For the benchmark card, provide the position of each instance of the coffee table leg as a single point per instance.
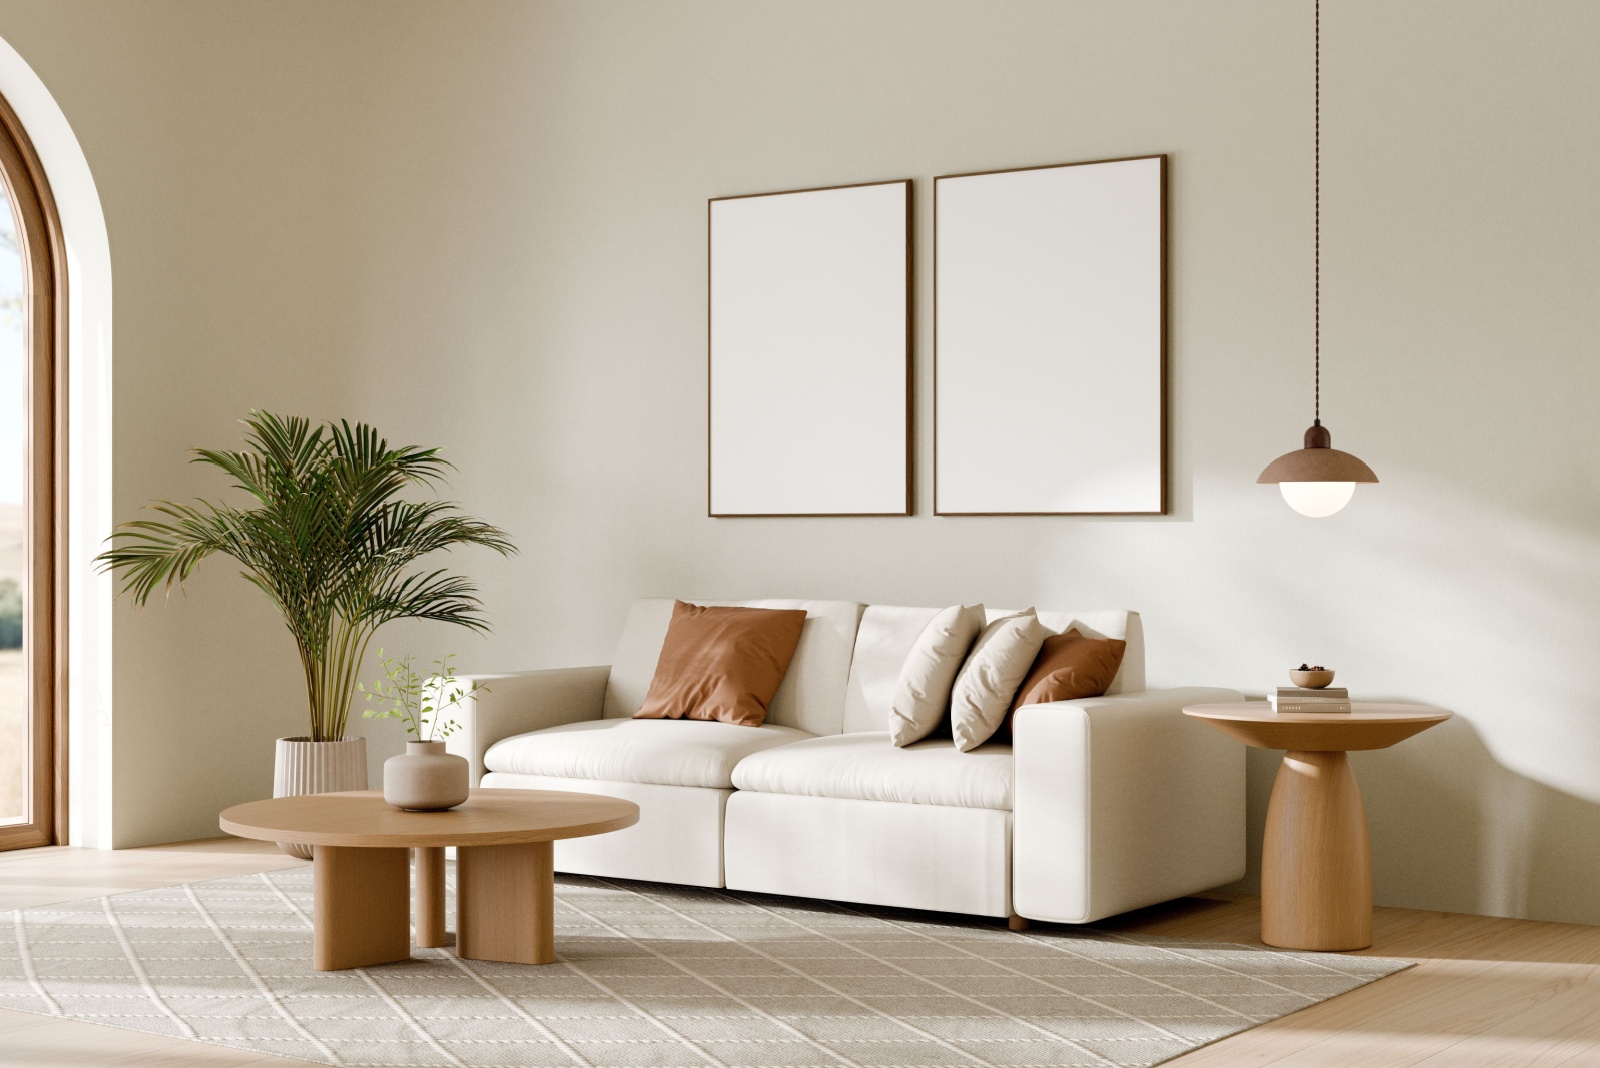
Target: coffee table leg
(1316, 862)
(361, 911)
(505, 903)
(427, 909)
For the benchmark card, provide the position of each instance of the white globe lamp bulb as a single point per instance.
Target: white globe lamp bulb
(1317, 499)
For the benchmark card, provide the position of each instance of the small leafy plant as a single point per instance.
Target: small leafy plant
(418, 701)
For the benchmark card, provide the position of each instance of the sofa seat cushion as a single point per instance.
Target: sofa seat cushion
(666, 752)
(866, 766)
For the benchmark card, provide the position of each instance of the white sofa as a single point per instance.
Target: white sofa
(1098, 806)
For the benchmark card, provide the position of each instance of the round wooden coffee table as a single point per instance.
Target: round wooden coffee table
(505, 889)
(1316, 860)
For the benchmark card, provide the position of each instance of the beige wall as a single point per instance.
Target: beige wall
(483, 226)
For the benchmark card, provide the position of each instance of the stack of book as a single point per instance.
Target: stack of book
(1296, 699)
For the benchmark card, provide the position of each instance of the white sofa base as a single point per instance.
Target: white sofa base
(1116, 802)
(934, 857)
(678, 838)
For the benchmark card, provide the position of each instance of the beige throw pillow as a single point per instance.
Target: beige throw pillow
(988, 681)
(923, 692)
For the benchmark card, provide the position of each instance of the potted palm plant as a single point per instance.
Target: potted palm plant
(330, 540)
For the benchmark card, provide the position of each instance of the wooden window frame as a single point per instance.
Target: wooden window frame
(43, 249)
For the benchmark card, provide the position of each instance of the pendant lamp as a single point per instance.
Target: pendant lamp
(1317, 480)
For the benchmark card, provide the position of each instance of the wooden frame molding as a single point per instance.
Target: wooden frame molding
(43, 249)
(910, 327)
(1163, 414)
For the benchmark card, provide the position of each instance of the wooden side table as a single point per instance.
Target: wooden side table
(1316, 860)
(505, 893)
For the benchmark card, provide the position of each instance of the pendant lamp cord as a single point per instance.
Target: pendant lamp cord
(1317, 216)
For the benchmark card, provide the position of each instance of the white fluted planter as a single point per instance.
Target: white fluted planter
(306, 767)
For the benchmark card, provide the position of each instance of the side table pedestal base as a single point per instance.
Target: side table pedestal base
(1316, 861)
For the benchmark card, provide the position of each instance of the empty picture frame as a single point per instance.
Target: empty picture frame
(1049, 340)
(809, 352)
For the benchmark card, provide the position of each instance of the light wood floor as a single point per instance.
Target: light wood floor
(1485, 992)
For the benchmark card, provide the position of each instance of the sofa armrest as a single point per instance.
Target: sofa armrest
(1122, 802)
(521, 702)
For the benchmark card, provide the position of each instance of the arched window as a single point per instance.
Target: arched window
(32, 520)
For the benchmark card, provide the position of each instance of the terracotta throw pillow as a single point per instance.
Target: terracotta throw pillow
(999, 661)
(1069, 666)
(722, 663)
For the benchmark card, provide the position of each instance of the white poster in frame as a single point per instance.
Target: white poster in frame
(809, 352)
(1050, 339)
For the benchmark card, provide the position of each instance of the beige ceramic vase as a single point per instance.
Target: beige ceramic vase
(425, 779)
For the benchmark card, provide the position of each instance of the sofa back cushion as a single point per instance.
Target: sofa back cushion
(811, 697)
(887, 633)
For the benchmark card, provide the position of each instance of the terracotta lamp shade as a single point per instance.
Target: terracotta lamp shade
(1317, 480)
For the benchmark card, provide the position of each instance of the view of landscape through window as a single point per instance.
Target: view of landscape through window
(14, 726)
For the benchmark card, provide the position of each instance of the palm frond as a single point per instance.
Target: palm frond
(327, 537)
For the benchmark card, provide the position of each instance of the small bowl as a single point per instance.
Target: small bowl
(1311, 680)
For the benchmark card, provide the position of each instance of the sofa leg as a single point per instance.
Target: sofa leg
(1017, 923)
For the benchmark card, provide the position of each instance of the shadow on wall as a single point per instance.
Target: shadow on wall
(1454, 830)
(1435, 593)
